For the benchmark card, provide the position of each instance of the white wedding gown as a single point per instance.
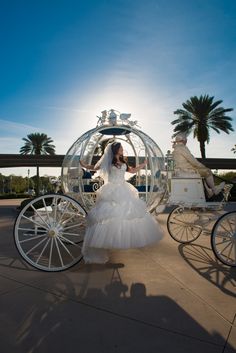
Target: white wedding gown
(119, 220)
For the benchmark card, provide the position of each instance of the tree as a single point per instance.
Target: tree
(2, 183)
(234, 149)
(18, 184)
(199, 116)
(99, 150)
(37, 144)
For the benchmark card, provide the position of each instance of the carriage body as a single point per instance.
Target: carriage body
(150, 182)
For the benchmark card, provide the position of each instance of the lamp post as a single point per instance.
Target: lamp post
(10, 184)
(169, 163)
(28, 179)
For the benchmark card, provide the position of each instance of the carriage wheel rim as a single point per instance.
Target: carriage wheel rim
(223, 239)
(180, 228)
(52, 242)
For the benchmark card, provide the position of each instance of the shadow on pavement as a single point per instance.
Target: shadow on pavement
(203, 261)
(114, 319)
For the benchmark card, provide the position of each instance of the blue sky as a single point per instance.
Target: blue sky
(64, 61)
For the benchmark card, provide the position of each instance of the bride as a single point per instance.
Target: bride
(119, 219)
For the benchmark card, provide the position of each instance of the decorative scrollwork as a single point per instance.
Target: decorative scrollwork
(95, 186)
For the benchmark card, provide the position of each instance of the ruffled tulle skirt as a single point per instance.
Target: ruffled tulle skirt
(119, 220)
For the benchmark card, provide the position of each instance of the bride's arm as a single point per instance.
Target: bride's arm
(136, 169)
(88, 166)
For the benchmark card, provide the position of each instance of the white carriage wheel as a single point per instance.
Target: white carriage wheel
(49, 232)
(181, 224)
(223, 239)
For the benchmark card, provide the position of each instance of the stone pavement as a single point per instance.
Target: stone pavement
(161, 299)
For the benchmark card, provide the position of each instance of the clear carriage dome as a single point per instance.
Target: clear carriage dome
(81, 184)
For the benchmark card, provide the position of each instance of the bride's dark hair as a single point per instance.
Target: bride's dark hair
(115, 148)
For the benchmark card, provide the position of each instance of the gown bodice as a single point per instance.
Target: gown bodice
(117, 175)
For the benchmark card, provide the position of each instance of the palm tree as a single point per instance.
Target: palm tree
(37, 144)
(99, 150)
(199, 116)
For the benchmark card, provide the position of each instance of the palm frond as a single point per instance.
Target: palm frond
(215, 129)
(200, 114)
(37, 143)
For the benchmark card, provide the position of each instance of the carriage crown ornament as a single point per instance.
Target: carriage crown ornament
(113, 117)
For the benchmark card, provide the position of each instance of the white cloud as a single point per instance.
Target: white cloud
(10, 145)
(13, 127)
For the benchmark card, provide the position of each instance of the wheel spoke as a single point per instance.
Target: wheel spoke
(186, 232)
(44, 248)
(66, 248)
(39, 215)
(184, 222)
(230, 226)
(63, 212)
(33, 221)
(46, 209)
(69, 241)
(68, 219)
(230, 250)
(226, 229)
(223, 241)
(32, 238)
(226, 247)
(72, 234)
(74, 225)
(179, 230)
(34, 247)
(32, 231)
(54, 206)
(50, 254)
(221, 235)
(59, 253)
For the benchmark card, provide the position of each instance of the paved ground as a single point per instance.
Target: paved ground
(170, 298)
